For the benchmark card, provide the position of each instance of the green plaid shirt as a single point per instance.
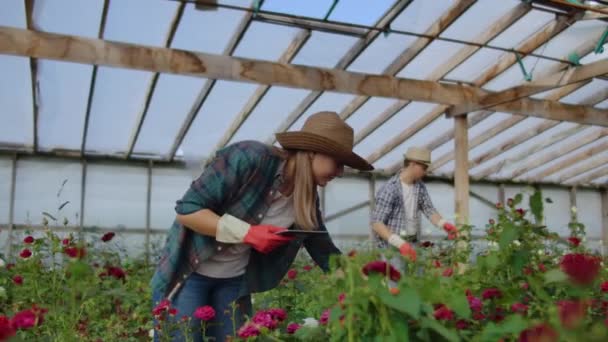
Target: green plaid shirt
(240, 180)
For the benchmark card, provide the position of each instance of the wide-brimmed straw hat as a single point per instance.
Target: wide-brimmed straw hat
(327, 133)
(418, 154)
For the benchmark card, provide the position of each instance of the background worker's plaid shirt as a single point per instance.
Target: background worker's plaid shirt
(241, 180)
(390, 209)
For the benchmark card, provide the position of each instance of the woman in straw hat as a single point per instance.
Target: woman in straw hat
(400, 202)
(228, 237)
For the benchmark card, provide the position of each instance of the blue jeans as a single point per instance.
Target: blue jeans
(200, 290)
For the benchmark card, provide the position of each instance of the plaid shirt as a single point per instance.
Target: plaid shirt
(241, 181)
(390, 209)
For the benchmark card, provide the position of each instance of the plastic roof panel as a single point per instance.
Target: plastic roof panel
(371, 109)
(362, 12)
(478, 18)
(310, 8)
(573, 36)
(117, 102)
(12, 13)
(380, 53)
(64, 90)
(585, 92)
(392, 127)
(514, 75)
(199, 30)
(328, 101)
(420, 15)
(16, 99)
(269, 113)
(214, 118)
(276, 39)
(433, 56)
(126, 21)
(315, 51)
(171, 102)
(84, 17)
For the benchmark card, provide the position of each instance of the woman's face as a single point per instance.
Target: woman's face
(325, 168)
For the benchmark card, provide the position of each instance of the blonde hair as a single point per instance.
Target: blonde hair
(304, 190)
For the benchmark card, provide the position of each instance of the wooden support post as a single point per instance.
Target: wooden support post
(461, 175)
(501, 193)
(573, 215)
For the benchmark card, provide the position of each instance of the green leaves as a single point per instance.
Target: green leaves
(407, 301)
(513, 324)
(555, 276)
(509, 234)
(536, 206)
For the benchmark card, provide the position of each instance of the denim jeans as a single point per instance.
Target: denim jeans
(199, 290)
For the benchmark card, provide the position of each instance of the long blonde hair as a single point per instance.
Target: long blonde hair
(304, 189)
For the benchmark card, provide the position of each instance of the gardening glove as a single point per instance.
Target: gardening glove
(449, 228)
(262, 238)
(404, 248)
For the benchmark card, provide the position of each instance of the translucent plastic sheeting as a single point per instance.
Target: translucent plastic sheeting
(168, 186)
(419, 15)
(392, 127)
(115, 196)
(362, 12)
(594, 57)
(366, 113)
(421, 138)
(557, 214)
(588, 173)
(276, 40)
(6, 166)
(199, 30)
(380, 53)
(117, 102)
(563, 157)
(84, 17)
(602, 105)
(171, 103)
(64, 90)
(601, 181)
(40, 188)
(327, 101)
(521, 148)
(510, 38)
(536, 67)
(572, 37)
(312, 8)
(214, 118)
(565, 171)
(316, 53)
(269, 113)
(432, 57)
(478, 18)
(354, 223)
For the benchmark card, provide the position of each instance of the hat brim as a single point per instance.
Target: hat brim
(316, 143)
(427, 163)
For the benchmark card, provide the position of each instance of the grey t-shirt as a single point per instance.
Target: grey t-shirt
(230, 260)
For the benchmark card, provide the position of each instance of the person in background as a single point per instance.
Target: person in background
(225, 242)
(400, 203)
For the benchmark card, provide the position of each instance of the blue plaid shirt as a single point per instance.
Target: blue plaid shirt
(390, 209)
(240, 180)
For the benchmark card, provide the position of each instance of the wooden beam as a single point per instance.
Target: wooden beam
(287, 56)
(505, 61)
(209, 85)
(543, 159)
(442, 23)
(559, 79)
(29, 23)
(461, 175)
(583, 7)
(584, 168)
(85, 50)
(100, 33)
(177, 17)
(599, 173)
(444, 69)
(604, 220)
(343, 63)
(522, 137)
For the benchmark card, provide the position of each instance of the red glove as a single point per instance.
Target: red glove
(451, 230)
(408, 251)
(263, 238)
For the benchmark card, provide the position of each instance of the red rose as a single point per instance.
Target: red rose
(574, 241)
(6, 329)
(519, 308)
(571, 312)
(75, 252)
(604, 286)
(448, 272)
(581, 268)
(26, 253)
(491, 293)
(540, 333)
(510, 202)
(28, 239)
(65, 242)
(248, 330)
(292, 274)
(324, 319)
(461, 324)
(292, 328)
(383, 268)
(107, 236)
(443, 313)
(204, 313)
(307, 268)
(18, 280)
